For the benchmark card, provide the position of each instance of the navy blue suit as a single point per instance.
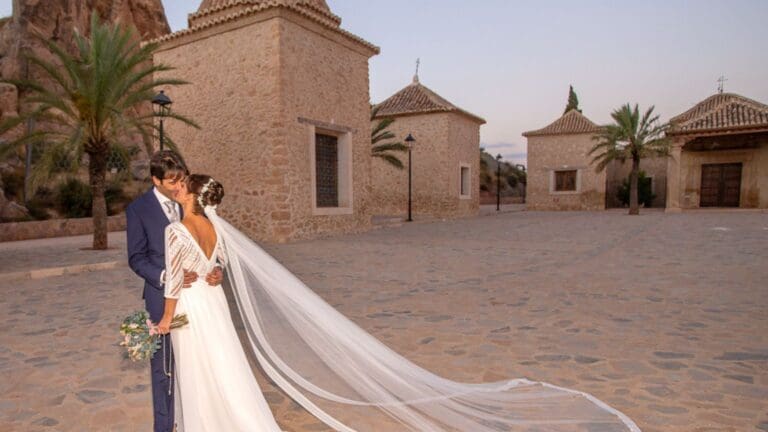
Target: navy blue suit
(146, 224)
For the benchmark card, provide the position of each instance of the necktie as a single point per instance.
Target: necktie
(173, 215)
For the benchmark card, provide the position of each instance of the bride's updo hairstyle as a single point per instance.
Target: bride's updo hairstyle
(207, 191)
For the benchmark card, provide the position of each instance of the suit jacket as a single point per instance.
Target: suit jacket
(145, 225)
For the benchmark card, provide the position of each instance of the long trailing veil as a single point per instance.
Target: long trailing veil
(352, 382)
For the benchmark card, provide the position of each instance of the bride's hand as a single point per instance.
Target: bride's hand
(164, 326)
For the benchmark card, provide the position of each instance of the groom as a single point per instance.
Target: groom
(147, 217)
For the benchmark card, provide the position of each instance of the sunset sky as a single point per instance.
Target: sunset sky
(511, 61)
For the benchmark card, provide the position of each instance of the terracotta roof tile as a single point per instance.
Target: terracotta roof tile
(722, 111)
(241, 8)
(209, 7)
(572, 122)
(418, 99)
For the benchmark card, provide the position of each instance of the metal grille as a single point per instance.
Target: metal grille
(327, 170)
(118, 160)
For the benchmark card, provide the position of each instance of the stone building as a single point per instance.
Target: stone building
(280, 91)
(446, 157)
(560, 176)
(719, 155)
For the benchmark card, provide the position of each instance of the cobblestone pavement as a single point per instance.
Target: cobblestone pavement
(664, 316)
(24, 256)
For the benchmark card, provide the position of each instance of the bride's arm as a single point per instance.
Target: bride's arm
(175, 250)
(164, 326)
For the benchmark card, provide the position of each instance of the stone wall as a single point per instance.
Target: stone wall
(252, 79)
(15, 231)
(444, 141)
(563, 152)
(325, 89)
(654, 167)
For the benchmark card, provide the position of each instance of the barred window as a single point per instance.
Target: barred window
(327, 170)
(565, 181)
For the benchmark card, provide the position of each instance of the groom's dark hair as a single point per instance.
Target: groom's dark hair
(166, 163)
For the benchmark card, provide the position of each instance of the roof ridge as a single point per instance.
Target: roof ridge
(727, 97)
(417, 98)
(258, 8)
(221, 6)
(721, 111)
(571, 122)
(436, 98)
(717, 107)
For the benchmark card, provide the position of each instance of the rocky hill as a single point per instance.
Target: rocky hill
(57, 20)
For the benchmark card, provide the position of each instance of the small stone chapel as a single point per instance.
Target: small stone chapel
(280, 92)
(445, 156)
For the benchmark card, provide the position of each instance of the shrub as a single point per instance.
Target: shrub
(74, 199)
(13, 184)
(645, 194)
(116, 198)
(38, 209)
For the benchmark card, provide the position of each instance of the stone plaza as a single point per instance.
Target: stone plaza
(663, 316)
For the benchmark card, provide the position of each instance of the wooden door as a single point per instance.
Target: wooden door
(720, 185)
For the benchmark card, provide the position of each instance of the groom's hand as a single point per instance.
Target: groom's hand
(215, 276)
(189, 277)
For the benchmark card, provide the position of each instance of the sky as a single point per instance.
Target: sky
(511, 61)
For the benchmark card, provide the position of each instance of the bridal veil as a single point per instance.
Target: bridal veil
(352, 382)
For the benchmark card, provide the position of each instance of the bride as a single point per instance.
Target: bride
(322, 360)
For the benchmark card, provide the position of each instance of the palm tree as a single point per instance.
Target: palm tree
(630, 137)
(384, 150)
(92, 105)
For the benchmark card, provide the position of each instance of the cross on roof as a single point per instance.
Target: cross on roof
(720, 82)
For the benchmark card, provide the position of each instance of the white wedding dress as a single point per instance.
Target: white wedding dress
(327, 364)
(215, 388)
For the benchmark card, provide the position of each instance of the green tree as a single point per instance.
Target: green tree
(630, 137)
(384, 150)
(485, 176)
(91, 106)
(573, 101)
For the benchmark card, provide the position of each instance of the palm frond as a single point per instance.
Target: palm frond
(382, 136)
(395, 146)
(390, 159)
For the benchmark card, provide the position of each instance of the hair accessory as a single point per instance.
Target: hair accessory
(203, 190)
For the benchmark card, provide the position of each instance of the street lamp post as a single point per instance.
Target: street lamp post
(162, 107)
(409, 140)
(498, 182)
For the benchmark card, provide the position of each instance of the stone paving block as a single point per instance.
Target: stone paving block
(672, 323)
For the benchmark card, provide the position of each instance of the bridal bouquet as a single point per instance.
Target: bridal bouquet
(140, 336)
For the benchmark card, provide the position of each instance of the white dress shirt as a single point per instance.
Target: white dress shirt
(164, 199)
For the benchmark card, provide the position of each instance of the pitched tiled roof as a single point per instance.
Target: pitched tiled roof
(208, 4)
(572, 122)
(721, 112)
(224, 11)
(418, 99)
(213, 7)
